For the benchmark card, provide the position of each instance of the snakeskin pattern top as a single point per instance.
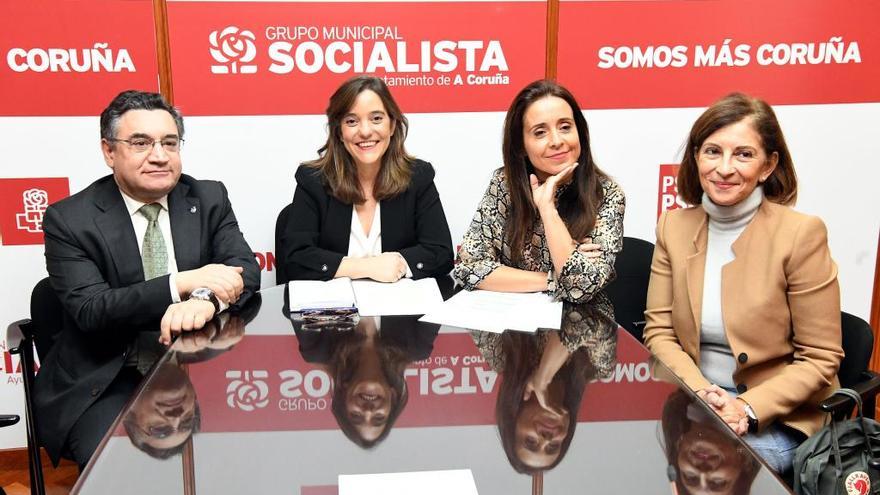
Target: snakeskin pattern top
(484, 247)
(590, 326)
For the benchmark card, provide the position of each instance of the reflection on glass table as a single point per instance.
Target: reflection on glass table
(287, 409)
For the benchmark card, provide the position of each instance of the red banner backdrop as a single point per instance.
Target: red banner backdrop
(688, 54)
(70, 58)
(275, 58)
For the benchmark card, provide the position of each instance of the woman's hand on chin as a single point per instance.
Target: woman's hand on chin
(544, 194)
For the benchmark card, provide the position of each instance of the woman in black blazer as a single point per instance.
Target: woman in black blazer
(364, 208)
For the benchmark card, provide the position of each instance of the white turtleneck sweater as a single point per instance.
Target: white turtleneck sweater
(726, 223)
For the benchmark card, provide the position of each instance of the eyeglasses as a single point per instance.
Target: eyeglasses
(166, 430)
(144, 144)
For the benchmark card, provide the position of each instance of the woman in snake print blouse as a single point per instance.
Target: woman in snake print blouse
(550, 219)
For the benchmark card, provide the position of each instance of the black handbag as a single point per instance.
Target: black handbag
(841, 458)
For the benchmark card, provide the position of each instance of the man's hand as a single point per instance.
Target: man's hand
(225, 281)
(184, 316)
(387, 267)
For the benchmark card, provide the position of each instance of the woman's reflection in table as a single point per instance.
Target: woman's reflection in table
(543, 377)
(367, 361)
(704, 455)
(166, 413)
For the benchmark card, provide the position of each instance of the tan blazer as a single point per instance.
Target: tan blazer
(780, 303)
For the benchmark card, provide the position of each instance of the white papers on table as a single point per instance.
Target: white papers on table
(498, 311)
(404, 297)
(317, 294)
(458, 481)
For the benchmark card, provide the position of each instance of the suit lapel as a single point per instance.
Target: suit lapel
(696, 268)
(186, 226)
(114, 223)
(338, 225)
(733, 274)
(392, 223)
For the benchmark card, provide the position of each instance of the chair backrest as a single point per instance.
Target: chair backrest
(629, 291)
(47, 317)
(280, 273)
(858, 342)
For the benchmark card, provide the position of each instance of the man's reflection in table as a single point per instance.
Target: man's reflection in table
(367, 361)
(166, 413)
(543, 378)
(704, 455)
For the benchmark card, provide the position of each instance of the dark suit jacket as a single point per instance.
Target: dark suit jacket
(95, 268)
(318, 227)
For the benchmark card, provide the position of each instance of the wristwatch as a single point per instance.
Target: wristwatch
(206, 294)
(751, 418)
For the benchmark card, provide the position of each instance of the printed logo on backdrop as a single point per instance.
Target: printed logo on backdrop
(23, 203)
(100, 57)
(266, 260)
(233, 48)
(60, 59)
(10, 368)
(261, 60)
(667, 196)
(361, 50)
(688, 63)
(247, 390)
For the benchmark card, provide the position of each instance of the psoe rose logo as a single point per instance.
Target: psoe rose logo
(247, 390)
(233, 49)
(34, 202)
(23, 204)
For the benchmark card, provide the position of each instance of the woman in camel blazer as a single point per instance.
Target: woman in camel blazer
(743, 302)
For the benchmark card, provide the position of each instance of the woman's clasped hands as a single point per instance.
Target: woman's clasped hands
(731, 410)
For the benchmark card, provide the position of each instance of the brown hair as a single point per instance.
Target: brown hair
(344, 364)
(675, 423)
(520, 353)
(579, 203)
(336, 164)
(780, 187)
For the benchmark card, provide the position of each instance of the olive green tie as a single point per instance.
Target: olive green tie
(154, 255)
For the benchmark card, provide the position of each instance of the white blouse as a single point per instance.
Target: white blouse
(361, 245)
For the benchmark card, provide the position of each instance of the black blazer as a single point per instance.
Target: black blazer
(318, 227)
(95, 268)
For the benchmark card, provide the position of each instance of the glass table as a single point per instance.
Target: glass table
(262, 402)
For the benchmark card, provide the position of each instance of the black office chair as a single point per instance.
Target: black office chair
(41, 330)
(629, 291)
(8, 420)
(281, 276)
(857, 342)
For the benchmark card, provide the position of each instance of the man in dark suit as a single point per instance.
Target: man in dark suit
(143, 245)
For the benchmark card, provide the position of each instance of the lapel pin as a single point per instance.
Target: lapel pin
(193, 209)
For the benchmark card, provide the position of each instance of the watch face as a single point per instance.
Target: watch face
(201, 293)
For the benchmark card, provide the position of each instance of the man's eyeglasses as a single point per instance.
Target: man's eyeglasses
(166, 430)
(144, 144)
